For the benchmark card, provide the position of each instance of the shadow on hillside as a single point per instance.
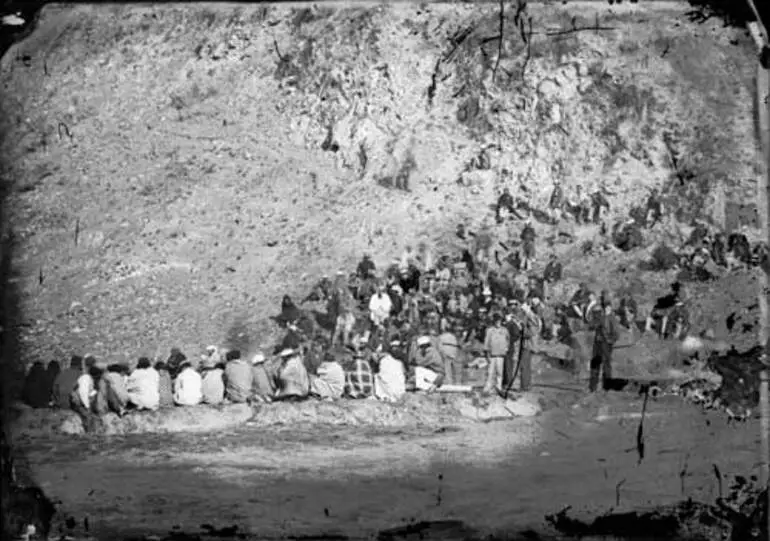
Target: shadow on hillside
(11, 369)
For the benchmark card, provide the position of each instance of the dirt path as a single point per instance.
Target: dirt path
(311, 480)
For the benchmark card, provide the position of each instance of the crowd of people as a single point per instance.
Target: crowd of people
(420, 324)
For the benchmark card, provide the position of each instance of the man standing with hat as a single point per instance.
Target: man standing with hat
(606, 328)
(496, 345)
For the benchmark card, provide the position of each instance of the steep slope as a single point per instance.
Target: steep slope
(178, 169)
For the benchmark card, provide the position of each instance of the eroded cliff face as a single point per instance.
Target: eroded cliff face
(209, 159)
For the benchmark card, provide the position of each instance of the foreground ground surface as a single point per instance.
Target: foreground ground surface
(501, 476)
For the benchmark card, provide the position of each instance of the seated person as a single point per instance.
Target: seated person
(390, 379)
(329, 380)
(662, 309)
(188, 386)
(264, 386)
(428, 367)
(628, 310)
(293, 379)
(143, 386)
(359, 377)
(579, 300)
(553, 270)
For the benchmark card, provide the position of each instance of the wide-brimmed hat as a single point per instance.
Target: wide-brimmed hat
(287, 352)
(423, 341)
(259, 358)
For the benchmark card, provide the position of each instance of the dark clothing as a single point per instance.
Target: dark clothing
(557, 198)
(528, 234)
(553, 271)
(601, 360)
(36, 392)
(165, 389)
(64, 385)
(598, 202)
(654, 208)
(365, 267)
(739, 245)
(504, 202)
(698, 234)
(525, 358)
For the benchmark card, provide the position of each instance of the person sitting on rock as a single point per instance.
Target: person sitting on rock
(359, 377)
(188, 386)
(428, 366)
(328, 383)
(663, 306)
(114, 388)
(738, 244)
(174, 361)
(289, 312)
(212, 381)
(264, 386)
(553, 270)
(504, 202)
(628, 236)
(36, 392)
(390, 379)
(366, 267)
(65, 382)
(580, 300)
(84, 395)
(239, 378)
(165, 386)
(320, 292)
(143, 386)
(293, 379)
(599, 203)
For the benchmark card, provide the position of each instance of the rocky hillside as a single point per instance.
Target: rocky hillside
(176, 170)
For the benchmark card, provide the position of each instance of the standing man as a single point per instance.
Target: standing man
(496, 345)
(528, 237)
(513, 324)
(342, 307)
(604, 340)
(556, 201)
(530, 329)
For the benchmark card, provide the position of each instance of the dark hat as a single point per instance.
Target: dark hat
(233, 355)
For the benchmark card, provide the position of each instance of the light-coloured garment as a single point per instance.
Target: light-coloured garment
(144, 388)
(379, 307)
(330, 381)
(497, 341)
(390, 381)
(424, 378)
(293, 378)
(86, 389)
(495, 374)
(213, 386)
(117, 383)
(188, 388)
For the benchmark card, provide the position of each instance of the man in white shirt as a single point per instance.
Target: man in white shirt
(144, 386)
(380, 306)
(188, 386)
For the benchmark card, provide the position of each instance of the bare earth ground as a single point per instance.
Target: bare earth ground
(197, 184)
